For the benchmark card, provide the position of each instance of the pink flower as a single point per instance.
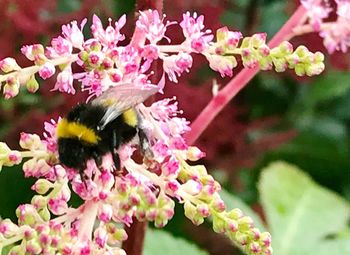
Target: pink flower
(8, 65)
(192, 29)
(73, 34)
(153, 27)
(171, 167)
(175, 65)
(60, 47)
(222, 64)
(64, 81)
(50, 135)
(111, 36)
(343, 9)
(47, 70)
(31, 51)
(317, 10)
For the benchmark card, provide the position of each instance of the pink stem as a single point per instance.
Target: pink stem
(224, 96)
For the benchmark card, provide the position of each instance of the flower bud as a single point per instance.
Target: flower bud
(232, 225)
(32, 85)
(203, 210)
(7, 228)
(190, 210)
(105, 213)
(192, 187)
(29, 141)
(265, 238)
(235, 214)
(258, 40)
(47, 70)
(219, 225)
(285, 48)
(33, 247)
(100, 236)
(11, 90)
(41, 186)
(120, 235)
(241, 238)
(194, 153)
(17, 250)
(255, 247)
(45, 214)
(39, 201)
(9, 65)
(245, 223)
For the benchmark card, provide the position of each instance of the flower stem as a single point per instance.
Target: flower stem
(224, 96)
(88, 220)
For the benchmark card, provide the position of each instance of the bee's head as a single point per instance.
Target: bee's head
(76, 112)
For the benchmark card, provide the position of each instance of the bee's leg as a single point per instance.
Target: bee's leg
(83, 176)
(144, 144)
(115, 143)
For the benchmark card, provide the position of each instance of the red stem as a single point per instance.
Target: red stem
(224, 96)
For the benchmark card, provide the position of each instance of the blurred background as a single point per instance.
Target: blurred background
(302, 121)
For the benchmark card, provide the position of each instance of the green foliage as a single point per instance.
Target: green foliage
(304, 218)
(273, 16)
(67, 6)
(15, 190)
(161, 242)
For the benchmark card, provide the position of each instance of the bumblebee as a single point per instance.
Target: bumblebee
(91, 130)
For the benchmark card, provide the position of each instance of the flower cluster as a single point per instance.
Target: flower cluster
(335, 34)
(147, 187)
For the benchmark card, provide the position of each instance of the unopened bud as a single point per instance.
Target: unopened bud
(9, 65)
(32, 85)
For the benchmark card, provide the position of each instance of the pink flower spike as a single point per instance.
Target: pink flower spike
(74, 34)
(65, 81)
(47, 70)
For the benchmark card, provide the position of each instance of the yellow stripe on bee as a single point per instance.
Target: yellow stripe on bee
(66, 129)
(130, 117)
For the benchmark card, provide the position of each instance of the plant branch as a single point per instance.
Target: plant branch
(223, 97)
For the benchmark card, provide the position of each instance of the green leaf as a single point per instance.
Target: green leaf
(161, 242)
(273, 16)
(304, 218)
(232, 202)
(66, 6)
(330, 86)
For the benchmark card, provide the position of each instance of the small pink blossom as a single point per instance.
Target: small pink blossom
(50, 135)
(47, 70)
(64, 81)
(318, 10)
(343, 9)
(171, 167)
(31, 51)
(74, 34)
(192, 27)
(111, 36)
(222, 64)
(105, 213)
(8, 65)
(153, 27)
(60, 47)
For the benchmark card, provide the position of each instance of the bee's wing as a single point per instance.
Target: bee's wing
(120, 98)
